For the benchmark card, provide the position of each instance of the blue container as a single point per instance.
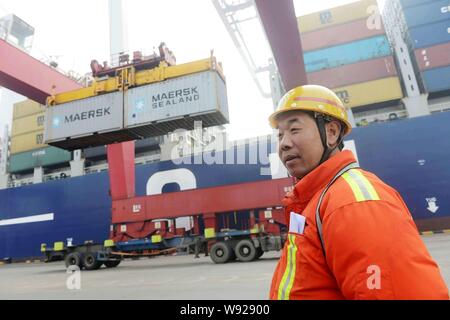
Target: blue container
(343, 54)
(430, 34)
(437, 79)
(412, 3)
(427, 13)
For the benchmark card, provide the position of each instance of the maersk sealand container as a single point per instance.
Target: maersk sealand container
(427, 13)
(430, 34)
(437, 79)
(352, 52)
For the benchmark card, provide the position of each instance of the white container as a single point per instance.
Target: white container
(86, 123)
(163, 107)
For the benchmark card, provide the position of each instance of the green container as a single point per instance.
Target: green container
(37, 158)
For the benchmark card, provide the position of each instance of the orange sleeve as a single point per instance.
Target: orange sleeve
(374, 250)
(275, 282)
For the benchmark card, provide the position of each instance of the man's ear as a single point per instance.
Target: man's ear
(333, 130)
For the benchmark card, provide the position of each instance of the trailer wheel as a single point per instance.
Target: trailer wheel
(221, 252)
(90, 261)
(245, 251)
(73, 259)
(112, 263)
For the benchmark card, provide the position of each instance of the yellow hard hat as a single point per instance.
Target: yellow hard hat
(312, 98)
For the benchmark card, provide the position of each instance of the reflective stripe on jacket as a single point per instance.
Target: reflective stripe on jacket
(373, 249)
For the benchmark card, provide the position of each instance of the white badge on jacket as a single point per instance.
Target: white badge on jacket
(297, 223)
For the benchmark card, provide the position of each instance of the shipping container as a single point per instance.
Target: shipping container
(430, 34)
(339, 34)
(86, 116)
(370, 92)
(143, 145)
(150, 110)
(49, 156)
(27, 108)
(147, 144)
(87, 122)
(437, 79)
(412, 3)
(95, 152)
(433, 57)
(28, 124)
(28, 141)
(354, 73)
(334, 16)
(159, 108)
(347, 53)
(427, 13)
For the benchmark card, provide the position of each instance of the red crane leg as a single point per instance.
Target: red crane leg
(122, 172)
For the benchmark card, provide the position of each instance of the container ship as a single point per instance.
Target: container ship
(79, 208)
(390, 69)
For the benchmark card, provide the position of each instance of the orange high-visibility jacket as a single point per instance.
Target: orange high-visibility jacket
(372, 248)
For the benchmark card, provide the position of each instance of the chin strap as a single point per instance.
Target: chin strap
(320, 120)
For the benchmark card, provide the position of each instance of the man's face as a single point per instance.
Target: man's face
(300, 147)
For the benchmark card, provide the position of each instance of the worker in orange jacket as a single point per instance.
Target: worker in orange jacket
(351, 236)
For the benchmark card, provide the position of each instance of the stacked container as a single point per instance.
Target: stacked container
(27, 140)
(346, 49)
(426, 30)
(144, 111)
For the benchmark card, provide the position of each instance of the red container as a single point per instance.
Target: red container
(433, 57)
(342, 33)
(354, 73)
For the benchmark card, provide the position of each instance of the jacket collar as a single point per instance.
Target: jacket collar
(317, 179)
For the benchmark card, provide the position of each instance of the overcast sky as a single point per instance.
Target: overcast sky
(75, 32)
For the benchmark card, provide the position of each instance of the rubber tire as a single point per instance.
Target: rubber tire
(250, 252)
(73, 259)
(112, 264)
(259, 253)
(221, 252)
(90, 261)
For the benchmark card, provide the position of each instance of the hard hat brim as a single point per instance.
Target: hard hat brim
(274, 121)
